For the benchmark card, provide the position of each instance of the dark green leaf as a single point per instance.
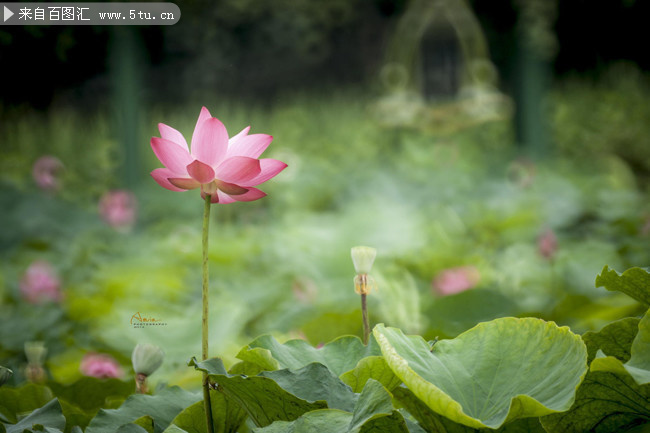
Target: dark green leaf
(227, 416)
(606, 402)
(162, 407)
(635, 282)
(22, 400)
(90, 393)
(49, 416)
(615, 339)
(262, 398)
(315, 382)
(373, 413)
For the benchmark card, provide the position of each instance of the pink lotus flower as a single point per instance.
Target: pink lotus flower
(45, 172)
(119, 209)
(40, 283)
(456, 280)
(227, 169)
(99, 365)
(547, 244)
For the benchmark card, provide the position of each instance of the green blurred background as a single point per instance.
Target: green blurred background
(501, 144)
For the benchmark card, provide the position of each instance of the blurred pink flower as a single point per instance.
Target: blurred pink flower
(100, 365)
(547, 244)
(227, 169)
(119, 209)
(456, 280)
(40, 283)
(45, 172)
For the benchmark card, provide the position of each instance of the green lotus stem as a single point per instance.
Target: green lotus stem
(366, 324)
(204, 323)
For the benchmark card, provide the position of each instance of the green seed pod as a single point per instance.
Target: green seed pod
(35, 352)
(147, 358)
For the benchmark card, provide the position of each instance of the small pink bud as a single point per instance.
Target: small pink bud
(40, 283)
(100, 365)
(547, 244)
(46, 171)
(456, 280)
(119, 209)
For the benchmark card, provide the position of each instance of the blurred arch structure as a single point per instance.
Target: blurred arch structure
(437, 74)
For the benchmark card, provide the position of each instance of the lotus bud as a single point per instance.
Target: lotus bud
(147, 358)
(363, 258)
(5, 375)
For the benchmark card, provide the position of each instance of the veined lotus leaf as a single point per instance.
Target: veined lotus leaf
(347, 357)
(373, 412)
(638, 365)
(340, 355)
(496, 372)
(606, 402)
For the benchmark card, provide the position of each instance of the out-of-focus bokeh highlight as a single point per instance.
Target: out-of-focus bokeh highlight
(496, 154)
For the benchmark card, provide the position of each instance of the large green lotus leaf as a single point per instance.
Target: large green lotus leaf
(48, 416)
(340, 355)
(605, 402)
(227, 416)
(615, 339)
(261, 397)
(497, 371)
(373, 412)
(15, 402)
(635, 282)
(162, 407)
(430, 421)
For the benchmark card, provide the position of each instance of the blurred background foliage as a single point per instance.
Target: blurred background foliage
(519, 209)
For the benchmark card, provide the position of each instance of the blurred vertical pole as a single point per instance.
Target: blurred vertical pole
(125, 54)
(532, 84)
(536, 46)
